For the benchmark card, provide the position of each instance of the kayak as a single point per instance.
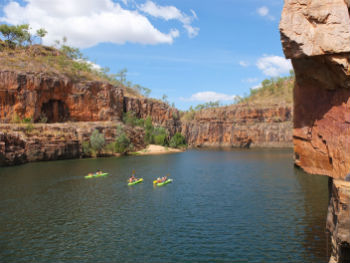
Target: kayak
(95, 175)
(136, 182)
(164, 183)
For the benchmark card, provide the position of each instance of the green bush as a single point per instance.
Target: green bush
(160, 136)
(27, 120)
(97, 141)
(129, 118)
(86, 148)
(160, 139)
(122, 143)
(178, 140)
(110, 147)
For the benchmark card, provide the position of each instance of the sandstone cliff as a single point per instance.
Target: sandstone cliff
(316, 36)
(241, 125)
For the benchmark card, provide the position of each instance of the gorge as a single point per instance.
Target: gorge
(315, 35)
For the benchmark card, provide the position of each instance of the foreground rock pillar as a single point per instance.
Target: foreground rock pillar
(315, 34)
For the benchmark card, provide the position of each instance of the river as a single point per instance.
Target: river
(223, 205)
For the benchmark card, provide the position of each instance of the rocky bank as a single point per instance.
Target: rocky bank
(316, 35)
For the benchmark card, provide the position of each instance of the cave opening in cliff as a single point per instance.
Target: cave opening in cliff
(55, 111)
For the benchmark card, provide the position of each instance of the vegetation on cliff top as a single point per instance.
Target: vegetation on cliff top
(277, 90)
(271, 91)
(22, 51)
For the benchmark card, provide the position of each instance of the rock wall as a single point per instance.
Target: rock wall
(160, 112)
(338, 220)
(316, 35)
(241, 126)
(43, 142)
(58, 98)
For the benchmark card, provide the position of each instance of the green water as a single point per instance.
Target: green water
(236, 206)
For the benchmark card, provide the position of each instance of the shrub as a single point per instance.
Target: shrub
(86, 148)
(129, 118)
(122, 143)
(110, 147)
(160, 139)
(97, 141)
(27, 120)
(178, 140)
(160, 136)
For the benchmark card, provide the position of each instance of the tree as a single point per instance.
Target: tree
(15, 35)
(41, 33)
(165, 98)
(122, 75)
(97, 141)
(177, 140)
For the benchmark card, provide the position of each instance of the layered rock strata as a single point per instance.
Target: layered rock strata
(241, 126)
(43, 142)
(316, 35)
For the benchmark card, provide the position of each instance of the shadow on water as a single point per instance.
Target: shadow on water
(316, 201)
(236, 206)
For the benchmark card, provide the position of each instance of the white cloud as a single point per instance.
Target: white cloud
(88, 22)
(171, 13)
(244, 63)
(265, 12)
(274, 66)
(207, 96)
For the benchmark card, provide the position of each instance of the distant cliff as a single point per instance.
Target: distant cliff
(316, 36)
(243, 125)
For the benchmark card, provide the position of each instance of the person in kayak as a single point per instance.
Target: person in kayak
(132, 179)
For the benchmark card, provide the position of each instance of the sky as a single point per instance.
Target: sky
(193, 51)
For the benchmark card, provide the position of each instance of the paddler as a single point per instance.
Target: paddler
(132, 178)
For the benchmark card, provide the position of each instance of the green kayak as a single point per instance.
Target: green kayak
(95, 175)
(164, 183)
(136, 182)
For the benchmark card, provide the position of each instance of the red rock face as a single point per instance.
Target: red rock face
(241, 126)
(322, 117)
(316, 36)
(58, 98)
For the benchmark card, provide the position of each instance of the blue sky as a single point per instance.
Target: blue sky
(190, 50)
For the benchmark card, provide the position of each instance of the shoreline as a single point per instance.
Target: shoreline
(153, 149)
